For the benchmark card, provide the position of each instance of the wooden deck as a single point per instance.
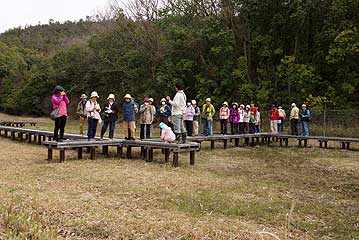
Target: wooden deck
(17, 124)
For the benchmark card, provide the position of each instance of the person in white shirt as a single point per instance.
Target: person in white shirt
(93, 110)
(178, 107)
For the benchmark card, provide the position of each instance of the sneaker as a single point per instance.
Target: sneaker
(132, 139)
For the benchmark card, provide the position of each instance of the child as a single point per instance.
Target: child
(188, 118)
(167, 134)
(234, 118)
(224, 115)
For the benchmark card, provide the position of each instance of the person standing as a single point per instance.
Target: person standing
(253, 108)
(282, 116)
(60, 100)
(274, 116)
(305, 119)
(196, 117)
(258, 121)
(252, 121)
(241, 119)
(129, 117)
(247, 113)
(81, 112)
(208, 112)
(188, 118)
(164, 111)
(93, 110)
(294, 118)
(224, 113)
(147, 113)
(178, 106)
(234, 118)
(110, 116)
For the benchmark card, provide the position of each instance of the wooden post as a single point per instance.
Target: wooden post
(62, 155)
(167, 155)
(225, 143)
(326, 144)
(305, 142)
(320, 143)
(92, 153)
(280, 142)
(192, 155)
(299, 142)
(286, 142)
(129, 153)
(119, 151)
(212, 144)
(342, 145)
(150, 153)
(29, 138)
(13, 135)
(35, 137)
(79, 153)
(348, 145)
(175, 159)
(268, 141)
(105, 150)
(39, 139)
(49, 153)
(236, 142)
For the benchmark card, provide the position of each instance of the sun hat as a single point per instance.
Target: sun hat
(94, 94)
(194, 102)
(128, 96)
(111, 96)
(235, 103)
(280, 107)
(248, 106)
(163, 100)
(225, 103)
(163, 125)
(242, 105)
(293, 105)
(150, 100)
(208, 100)
(303, 105)
(83, 96)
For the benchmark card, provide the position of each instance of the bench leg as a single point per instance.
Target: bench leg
(236, 142)
(175, 159)
(62, 155)
(280, 142)
(348, 145)
(49, 154)
(192, 156)
(167, 155)
(225, 144)
(119, 151)
(79, 153)
(320, 143)
(342, 145)
(268, 141)
(150, 151)
(13, 135)
(326, 144)
(212, 144)
(299, 142)
(143, 155)
(39, 140)
(105, 150)
(129, 153)
(92, 153)
(246, 140)
(305, 142)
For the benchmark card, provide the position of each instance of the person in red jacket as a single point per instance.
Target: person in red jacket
(274, 117)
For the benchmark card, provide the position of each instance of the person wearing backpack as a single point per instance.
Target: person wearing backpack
(188, 118)
(274, 117)
(282, 116)
(294, 118)
(81, 112)
(60, 101)
(224, 113)
(110, 116)
(93, 110)
(234, 118)
(130, 109)
(208, 112)
(305, 119)
(196, 117)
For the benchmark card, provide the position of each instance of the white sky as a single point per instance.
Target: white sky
(14, 13)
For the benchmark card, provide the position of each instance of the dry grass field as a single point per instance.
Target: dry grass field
(238, 193)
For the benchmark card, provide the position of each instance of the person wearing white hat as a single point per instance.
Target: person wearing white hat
(110, 116)
(305, 119)
(188, 118)
(246, 115)
(129, 117)
(234, 118)
(81, 112)
(282, 116)
(164, 111)
(294, 118)
(208, 112)
(93, 110)
(147, 115)
(196, 117)
(224, 113)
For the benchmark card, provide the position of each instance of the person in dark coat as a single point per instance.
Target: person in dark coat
(110, 116)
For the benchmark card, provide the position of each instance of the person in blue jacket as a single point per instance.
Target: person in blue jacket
(129, 117)
(164, 111)
(305, 119)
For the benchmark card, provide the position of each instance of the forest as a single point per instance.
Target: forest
(235, 50)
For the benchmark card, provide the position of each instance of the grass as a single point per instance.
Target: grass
(238, 193)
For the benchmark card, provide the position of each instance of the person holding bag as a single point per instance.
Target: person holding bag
(59, 114)
(110, 116)
(93, 110)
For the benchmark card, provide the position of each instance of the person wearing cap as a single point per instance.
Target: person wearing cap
(167, 135)
(208, 112)
(196, 117)
(81, 112)
(305, 119)
(258, 121)
(60, 101)
(129, 117)
(188, 118)
(110, 116)
(247, 113)
(164, 111)
(241, 112)
(234, 118)
(294, 118)
(253, 108)
(274, 117)
(224, 113)
(282, 116)
(147, 113)
(93, 110)
(178, 106)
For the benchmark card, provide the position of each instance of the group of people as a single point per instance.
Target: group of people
(178, 117)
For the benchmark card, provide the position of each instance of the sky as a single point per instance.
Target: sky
(15, 13)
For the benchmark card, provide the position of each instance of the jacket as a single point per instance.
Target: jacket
(197, 114)
(208, 112)
(179, 103)
(246, 116)
(274, 115)
(258, 118)
(167, 135)
(129, 111)
(294, 113)
(147, 113)
(189, 113)
(234, 116)
(110, 116)
(60, 101)
(305, 115)
(282, 113)
(164, 111)
(241, 115)
(224, 113)
(91, 110)
(81, 109)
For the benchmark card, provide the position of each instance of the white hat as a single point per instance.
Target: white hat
(248, 106)
(208, 100)
(128, 96)
(303, 105)
(225, 103)
(194, 102)
(83, 96)
(111, 96)
(280, 107)
(293, 105)
(94, 94)
(242, 105)
(150, 100)
(163, 100)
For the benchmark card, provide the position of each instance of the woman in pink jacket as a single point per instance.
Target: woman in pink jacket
(60, 100)
(167, 134)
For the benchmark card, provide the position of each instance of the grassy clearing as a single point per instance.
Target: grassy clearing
(231, 194)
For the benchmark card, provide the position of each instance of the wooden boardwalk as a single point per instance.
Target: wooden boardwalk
(17, 124)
